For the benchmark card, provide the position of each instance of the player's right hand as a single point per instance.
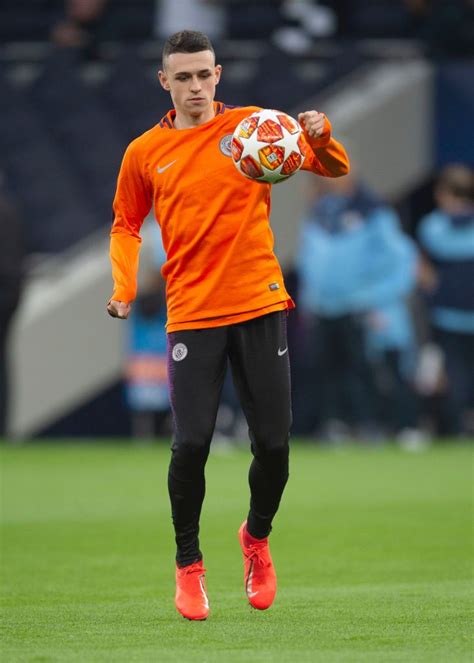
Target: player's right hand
(118, 309)
(313, 122)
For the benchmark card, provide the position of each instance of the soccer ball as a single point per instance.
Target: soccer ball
(268, 146)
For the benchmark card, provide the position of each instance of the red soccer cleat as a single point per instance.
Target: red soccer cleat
(191, 595)
(259, 572)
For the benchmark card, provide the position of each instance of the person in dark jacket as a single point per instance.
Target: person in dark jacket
(446, 236)
(11, 254)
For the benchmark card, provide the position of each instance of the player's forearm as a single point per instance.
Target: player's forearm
(124, 256)
(333, 159)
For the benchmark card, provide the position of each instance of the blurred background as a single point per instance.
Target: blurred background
(380, 263)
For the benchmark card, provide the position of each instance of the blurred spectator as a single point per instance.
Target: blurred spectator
(81, 25)
(447, 238)
(355, 268)
(146, 364)
(11, 257)
(85, 24)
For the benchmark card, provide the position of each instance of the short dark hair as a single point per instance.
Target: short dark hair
(458, 180)
(186, 41)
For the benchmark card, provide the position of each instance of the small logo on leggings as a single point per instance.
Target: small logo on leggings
(179, 352)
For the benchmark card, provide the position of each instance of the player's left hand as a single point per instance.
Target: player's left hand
(313, 123)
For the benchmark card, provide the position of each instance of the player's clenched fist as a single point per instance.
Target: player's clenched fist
(313, 122)
(118, 309)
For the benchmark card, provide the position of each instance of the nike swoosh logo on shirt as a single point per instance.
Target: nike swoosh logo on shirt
(162, 170)
(282, 352)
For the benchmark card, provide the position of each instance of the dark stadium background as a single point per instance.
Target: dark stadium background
(68, 112)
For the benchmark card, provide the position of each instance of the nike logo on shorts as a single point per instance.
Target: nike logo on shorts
(282, 352)
(162, 170)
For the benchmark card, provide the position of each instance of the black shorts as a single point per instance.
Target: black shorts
(258, 354)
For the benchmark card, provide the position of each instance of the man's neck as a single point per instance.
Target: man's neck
(187, 121)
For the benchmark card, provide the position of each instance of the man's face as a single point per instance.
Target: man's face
(191, 79)
(450, 202)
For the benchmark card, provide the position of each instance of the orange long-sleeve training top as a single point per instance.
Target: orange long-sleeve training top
(220, 267)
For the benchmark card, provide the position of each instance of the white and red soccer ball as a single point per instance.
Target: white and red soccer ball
(268, 146)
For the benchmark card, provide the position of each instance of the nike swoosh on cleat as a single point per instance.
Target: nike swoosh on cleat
(248, 587)
(162, 170)
(282, 352)
(203, 591)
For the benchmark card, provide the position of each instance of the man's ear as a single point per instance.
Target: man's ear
(163, 78)
(218, 72)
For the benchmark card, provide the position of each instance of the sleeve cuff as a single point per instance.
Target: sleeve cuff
(121, 295)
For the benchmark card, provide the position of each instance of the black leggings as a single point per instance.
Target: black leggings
(197, 360)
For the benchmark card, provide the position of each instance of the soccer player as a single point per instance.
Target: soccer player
(225, 300)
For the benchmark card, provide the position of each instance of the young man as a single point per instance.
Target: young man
(225, 300)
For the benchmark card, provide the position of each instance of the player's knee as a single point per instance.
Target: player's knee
(275, 444)
(271, 436)
(188, 460)
(193, 446)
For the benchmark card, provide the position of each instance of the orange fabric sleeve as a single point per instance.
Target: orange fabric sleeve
(326, 156)
(131, 205)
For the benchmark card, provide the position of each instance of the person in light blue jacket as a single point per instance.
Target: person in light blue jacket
(446, 236)
(355, 270)
(146, 384)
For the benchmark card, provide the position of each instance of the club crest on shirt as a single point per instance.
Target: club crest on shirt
(179, 352)
(225, 145)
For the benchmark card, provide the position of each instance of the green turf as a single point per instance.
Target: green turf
(372, 549)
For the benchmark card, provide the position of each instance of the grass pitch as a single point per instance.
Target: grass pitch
(372, 548)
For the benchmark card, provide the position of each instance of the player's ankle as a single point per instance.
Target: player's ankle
(187, 561)
(254, 538)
